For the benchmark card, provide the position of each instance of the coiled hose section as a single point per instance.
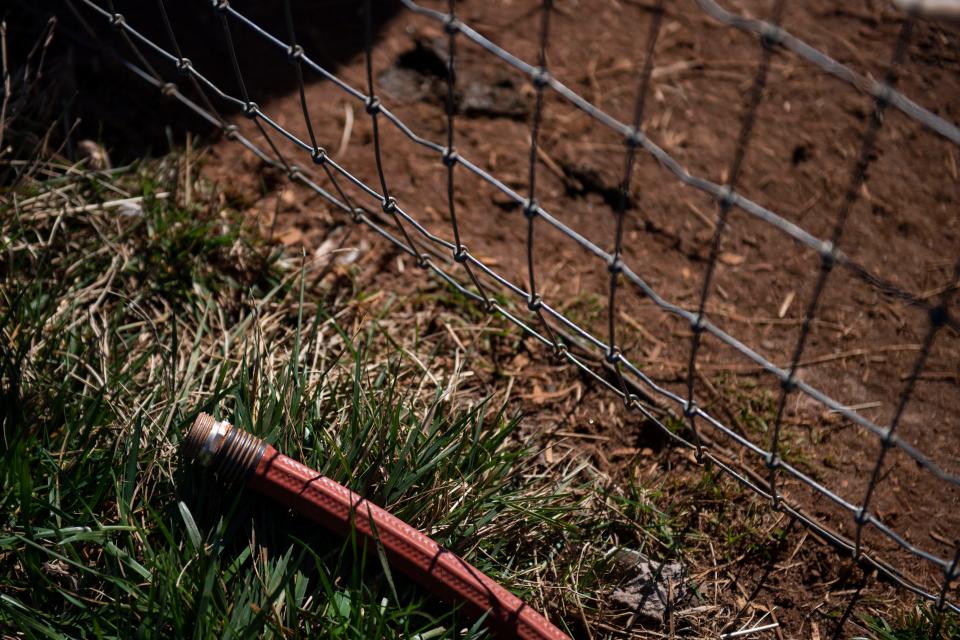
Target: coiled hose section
(238, 456)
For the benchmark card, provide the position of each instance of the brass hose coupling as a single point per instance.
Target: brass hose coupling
(232, 453)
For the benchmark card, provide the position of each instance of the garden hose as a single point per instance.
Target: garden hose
(238, 456)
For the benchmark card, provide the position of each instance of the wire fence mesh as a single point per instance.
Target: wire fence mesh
(760, 464)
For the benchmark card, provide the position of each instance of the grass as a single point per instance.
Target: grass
(120, 324)
(116, 332)
(922, 622)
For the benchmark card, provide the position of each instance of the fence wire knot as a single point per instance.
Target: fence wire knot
(531, 208)
(828, 255)
(789, 382)
(449, 157)
(698, 323)
(540, 77)
(884, 96)
(889, 438)
(295, 53)
(770, 35)
(772, 461)
(633, 139)
(451, 25)
(726, 197)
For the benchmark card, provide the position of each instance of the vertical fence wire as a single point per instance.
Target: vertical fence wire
(828, 258)
(388, 202)
(531, 207)
(725, 201)
(615, 265)
(250, 108)
(449, 157)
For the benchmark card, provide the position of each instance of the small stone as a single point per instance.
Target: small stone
(407, 85)
(652, 587)
(500, 100)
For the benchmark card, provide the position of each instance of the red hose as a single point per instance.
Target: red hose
(236, 454)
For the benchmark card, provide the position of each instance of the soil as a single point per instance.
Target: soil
(904, 228)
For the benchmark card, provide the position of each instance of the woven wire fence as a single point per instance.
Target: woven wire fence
(449, 259)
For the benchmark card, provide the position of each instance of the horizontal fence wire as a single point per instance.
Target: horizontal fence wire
(600, 358)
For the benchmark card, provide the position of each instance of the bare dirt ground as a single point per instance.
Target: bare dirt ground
(903, 228)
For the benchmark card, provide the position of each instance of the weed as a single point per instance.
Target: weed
(923, 622)
(117, 328)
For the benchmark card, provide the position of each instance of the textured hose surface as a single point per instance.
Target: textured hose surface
(420, 558)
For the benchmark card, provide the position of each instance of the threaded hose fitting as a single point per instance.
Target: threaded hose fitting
(232, 453)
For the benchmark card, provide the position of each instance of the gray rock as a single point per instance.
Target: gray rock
(500, 100)
(408, 85)
(650, 588)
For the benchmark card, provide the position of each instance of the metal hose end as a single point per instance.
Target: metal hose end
(204, 439)
(231, 452)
